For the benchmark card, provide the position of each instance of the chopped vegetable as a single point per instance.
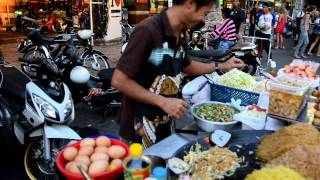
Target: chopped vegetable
(215, 112)
(237, 79)
(215, 163)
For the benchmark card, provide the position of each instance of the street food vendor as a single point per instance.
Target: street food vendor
(152, 67)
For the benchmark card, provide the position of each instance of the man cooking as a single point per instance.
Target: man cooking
(152, 67)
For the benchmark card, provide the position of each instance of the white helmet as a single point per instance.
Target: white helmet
(79, 75)
(85, 34)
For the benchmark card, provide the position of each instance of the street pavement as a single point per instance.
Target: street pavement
(92, 121)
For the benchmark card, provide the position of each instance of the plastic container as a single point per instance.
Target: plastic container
(112, 174)
(296, 82)
(315, 83)
(285, 101)
(137, 166)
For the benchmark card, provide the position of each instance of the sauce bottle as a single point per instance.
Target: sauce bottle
(137, 167)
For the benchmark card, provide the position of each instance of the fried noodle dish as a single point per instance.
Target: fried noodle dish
(215, 163)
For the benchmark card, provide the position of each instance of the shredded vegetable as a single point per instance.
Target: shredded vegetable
(215, 112)
(237, 79)
(215, 163)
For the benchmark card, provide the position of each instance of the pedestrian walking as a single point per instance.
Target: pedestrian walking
(304, 36)
(265, 22)
(316, 32)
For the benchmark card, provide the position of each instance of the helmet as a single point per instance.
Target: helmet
(79, 75)
(85, 34)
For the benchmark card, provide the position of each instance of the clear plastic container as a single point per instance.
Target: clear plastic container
(285, 101)
(296, 82)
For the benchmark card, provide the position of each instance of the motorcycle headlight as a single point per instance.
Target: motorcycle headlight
(46, 108)
(68, 109)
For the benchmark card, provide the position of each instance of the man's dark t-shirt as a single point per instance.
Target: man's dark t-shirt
(147, 36)
(238, 17)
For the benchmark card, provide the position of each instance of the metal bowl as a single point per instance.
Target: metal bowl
(210, 126)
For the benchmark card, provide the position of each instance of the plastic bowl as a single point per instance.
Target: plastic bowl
(112, 174)
(210, 126)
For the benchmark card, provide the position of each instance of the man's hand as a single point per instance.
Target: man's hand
(231, 63)
(174, 107)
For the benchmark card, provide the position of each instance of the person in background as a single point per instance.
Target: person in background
(304, 36)
(265, 21)
(226, 32)
(298, 22)
(238, 17)
(316, 32)
(281, 27)
(253, 14)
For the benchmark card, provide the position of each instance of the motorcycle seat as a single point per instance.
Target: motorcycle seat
(243, 46)
(105, 76)
(14, 82)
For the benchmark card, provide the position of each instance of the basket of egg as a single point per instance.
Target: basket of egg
(100, 157)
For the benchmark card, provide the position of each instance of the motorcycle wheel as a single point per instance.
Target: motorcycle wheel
(92, 66)
(36, 166)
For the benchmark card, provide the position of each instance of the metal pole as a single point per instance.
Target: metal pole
(91, 21)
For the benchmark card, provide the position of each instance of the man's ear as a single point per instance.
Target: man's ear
(190, 4)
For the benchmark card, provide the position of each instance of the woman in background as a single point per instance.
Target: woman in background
(316, 31)
(281, 27)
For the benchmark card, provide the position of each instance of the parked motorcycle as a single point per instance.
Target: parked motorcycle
(90, 58)
(246, 52)
(96, 91)
(35, 115)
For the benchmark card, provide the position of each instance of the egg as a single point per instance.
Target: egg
(98, 167)
(67, 166)
(115, 163)
(103, 141)
(87, 142)
(72, 167)
(83, 159)
(102, 149)
(99, 156)
(116, 152)
(70, 153)
(87, 150)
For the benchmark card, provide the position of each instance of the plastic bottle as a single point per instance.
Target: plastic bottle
(273, 66)
(159, 173)
(137, 167)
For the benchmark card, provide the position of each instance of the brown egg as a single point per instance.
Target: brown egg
(83, 159)
(115, 163)
(103, 141)
(99, 156)
(87, 142)
(86, 150)
(70, 153)
(67, 166)
(116, 152)
(74, 169)
(102, 149)
(98, 167)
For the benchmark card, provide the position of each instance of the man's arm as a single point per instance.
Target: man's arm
(129, 87)
(198, 68)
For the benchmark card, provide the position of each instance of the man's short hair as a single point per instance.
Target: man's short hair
(199, 3)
